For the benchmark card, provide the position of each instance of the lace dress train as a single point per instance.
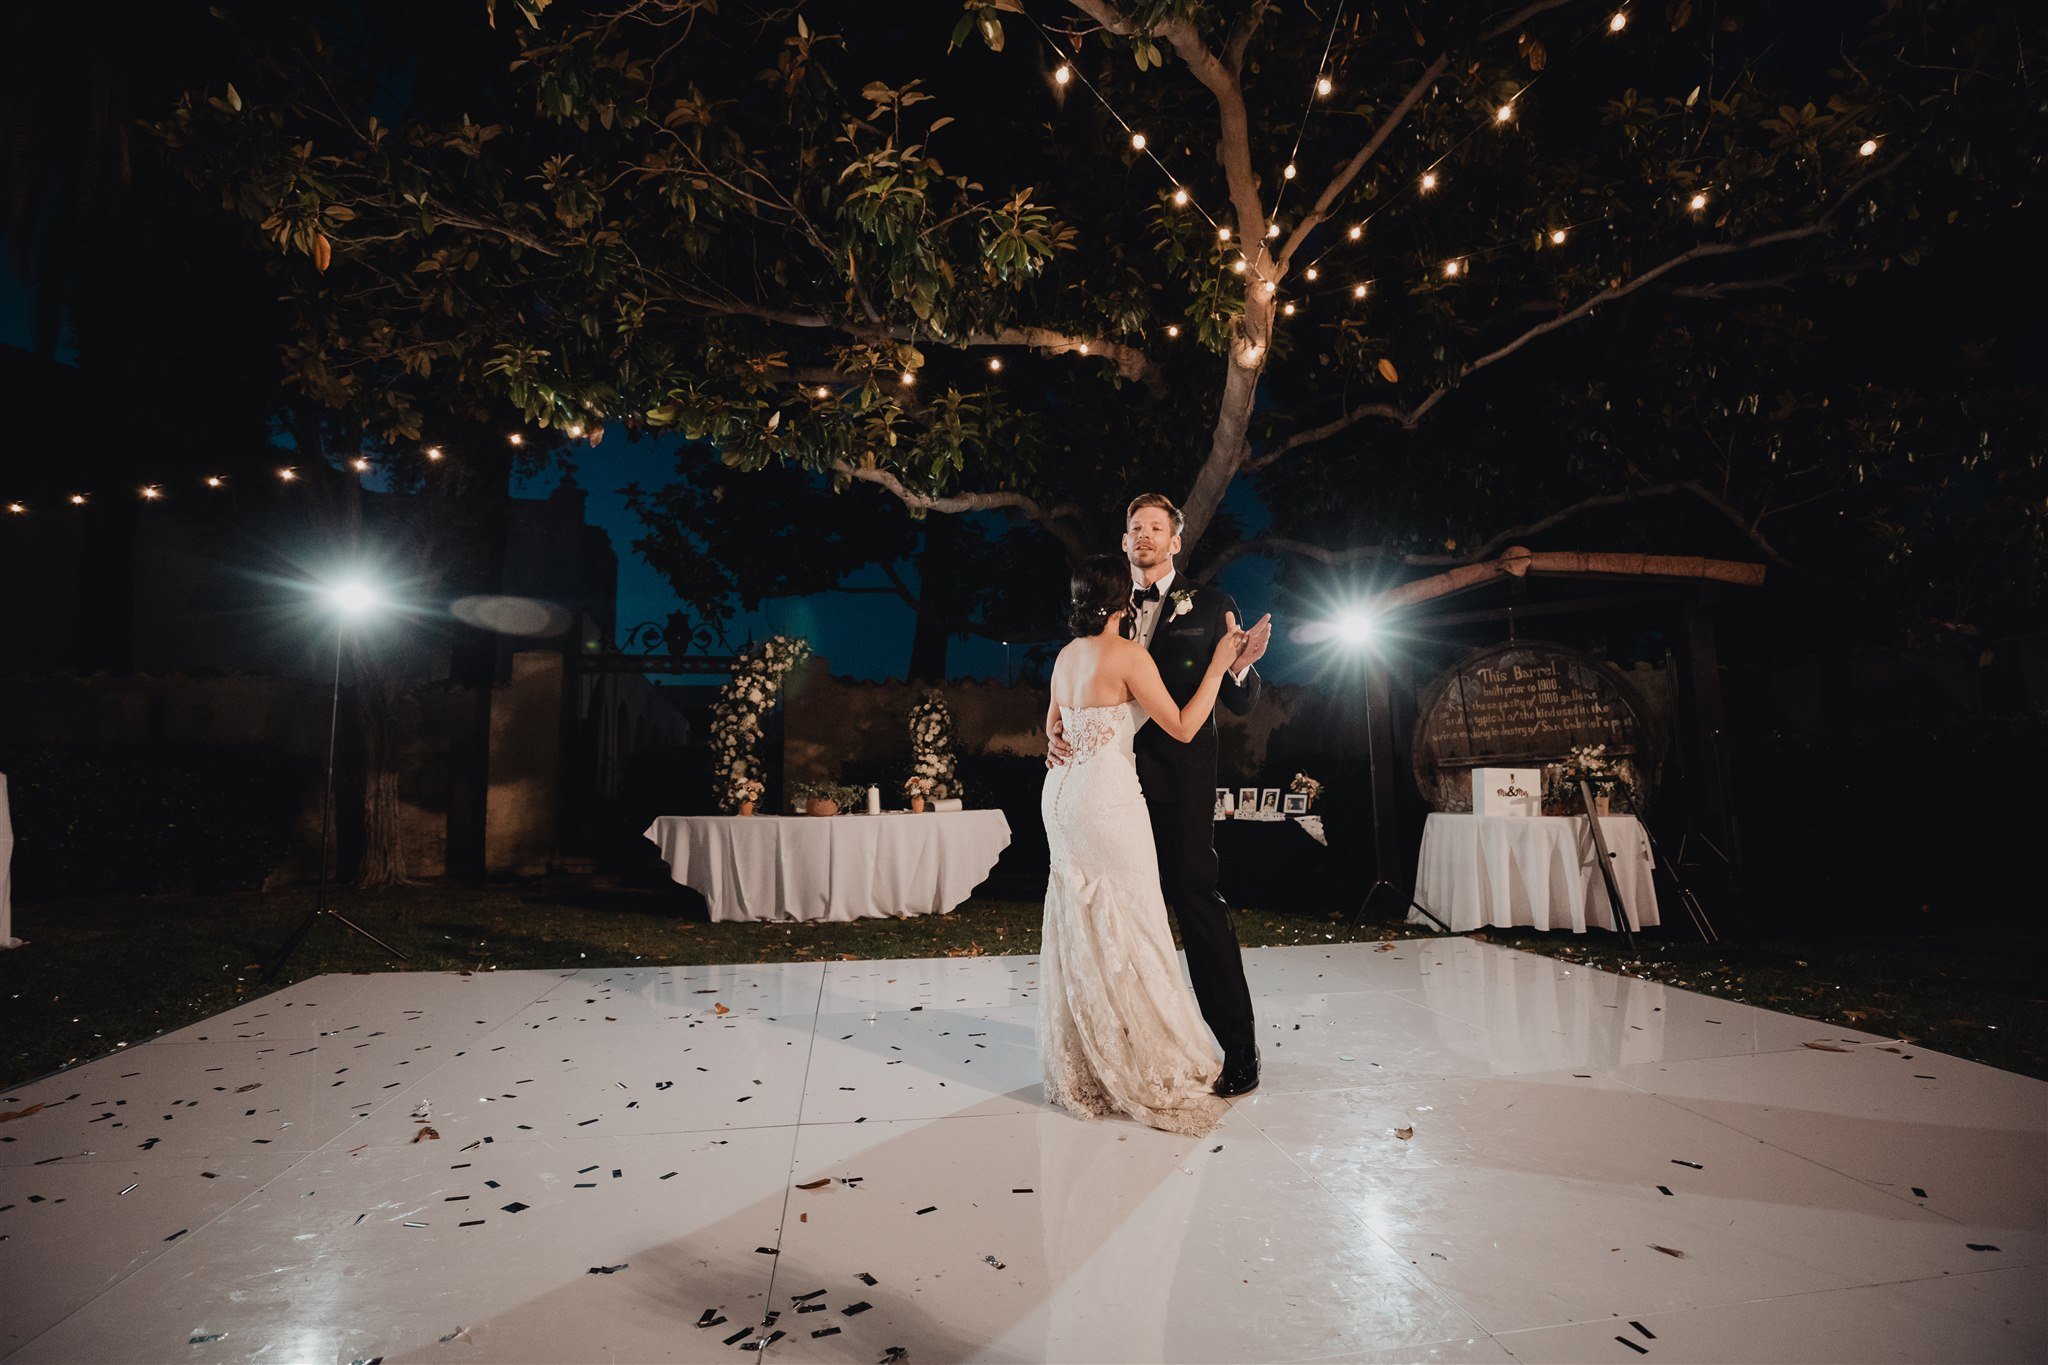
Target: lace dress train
(1119, 1029)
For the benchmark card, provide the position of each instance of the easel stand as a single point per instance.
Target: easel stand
(1606, 861)
(326, 821)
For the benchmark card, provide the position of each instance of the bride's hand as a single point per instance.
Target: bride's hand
(1232, 643)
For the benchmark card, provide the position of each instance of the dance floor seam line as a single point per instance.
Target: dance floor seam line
(796, 1134)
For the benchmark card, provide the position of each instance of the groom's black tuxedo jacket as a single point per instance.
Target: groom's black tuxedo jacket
(1172, 772)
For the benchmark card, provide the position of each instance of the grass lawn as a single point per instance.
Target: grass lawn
(107, 972)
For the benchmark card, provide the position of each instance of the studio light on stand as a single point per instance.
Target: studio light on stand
(1356, 632)
(350, 600)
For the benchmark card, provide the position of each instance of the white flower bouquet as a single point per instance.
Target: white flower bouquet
(738, 714)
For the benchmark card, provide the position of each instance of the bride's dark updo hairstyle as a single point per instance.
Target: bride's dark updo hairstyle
(1101, 585)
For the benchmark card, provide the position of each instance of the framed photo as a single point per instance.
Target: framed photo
(1269, 801)
(1247, 800)
(1226, 804)
(1294, 803)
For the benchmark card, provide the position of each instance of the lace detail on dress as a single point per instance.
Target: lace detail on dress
(1119, 1030)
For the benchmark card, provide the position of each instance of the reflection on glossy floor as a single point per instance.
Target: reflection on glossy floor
(823, 1162)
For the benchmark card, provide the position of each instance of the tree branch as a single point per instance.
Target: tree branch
(1319, 213)
(1059, 522)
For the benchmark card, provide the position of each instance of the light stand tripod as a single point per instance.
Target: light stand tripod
(1379, 859)
(320, 906)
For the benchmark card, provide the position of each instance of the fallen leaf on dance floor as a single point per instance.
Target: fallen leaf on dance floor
(11, 1115)
(424, 1134)
(1827, 1047)
(720, 1009)
(1384, 948)
(818, 1184)
(1404, 1133)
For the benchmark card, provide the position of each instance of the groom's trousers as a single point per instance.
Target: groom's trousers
(1184, 832)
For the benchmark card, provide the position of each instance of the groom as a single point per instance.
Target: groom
(1179, 622)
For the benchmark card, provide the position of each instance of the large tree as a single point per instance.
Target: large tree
(1100, 246)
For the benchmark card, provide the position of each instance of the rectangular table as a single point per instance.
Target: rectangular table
(1534, 870)
(838, 867)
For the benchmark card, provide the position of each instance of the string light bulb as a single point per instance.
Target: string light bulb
(907, 377)
(433, 452)
(215, 481)
(150, 492)
(1173, 330)
(1324, 85)
(516, 439)
(1618, 21)
(1557, 236)
(1180, 199)
(1451, 269)
(1357, 291)
(1696, 203)
(359, 465)
(18, 508)
(288, 474)
(78, 499)
(1504, 113)
(1310, 274)
(1428, 181)
(576, 431)
(1238, 265)
(1269, 289)
(1137, 142)
(1250, 354)
(1287, 309)
(1223, 233)
(995, 364)
(1272, 230)
(1062, 74)
(1869, 147)
(1357, 231)
(1084, 348)
(1290, 172)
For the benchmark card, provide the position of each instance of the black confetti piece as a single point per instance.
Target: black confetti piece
(1974, 1246)
(206, 1337)
(928, 1208)
(806, 1298)
(865, 1278)
(1665, 1189)
(768, 1251)
(516, 1207)
(182, 1231)
(586, 1170)
(1694, 1164)
(855, 1309)
(670, 1176)
(1919, 1193)
(710, 1318)
(736, 1336)
(1644, 1330)
(825, 1332)
(814, 1308)
(472, 1223)
(1024, 1190)
(606, 1269)
(1639, 1350)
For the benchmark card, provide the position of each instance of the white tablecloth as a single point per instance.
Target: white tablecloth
(7, 938)
(840, 867)
(1531, 869)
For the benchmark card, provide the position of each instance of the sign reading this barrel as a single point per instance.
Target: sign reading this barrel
(1523, 704)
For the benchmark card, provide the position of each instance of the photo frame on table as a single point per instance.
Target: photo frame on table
(1247, 800)
(1294, 803)
(1226, 803)
(1269, 801)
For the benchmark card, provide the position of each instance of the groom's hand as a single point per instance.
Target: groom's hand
(1057, 750)
(1255, 642)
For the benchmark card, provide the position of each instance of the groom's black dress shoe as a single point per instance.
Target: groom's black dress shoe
(1240, 1075)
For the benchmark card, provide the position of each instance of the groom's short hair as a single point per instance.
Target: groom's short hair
(1163, 503)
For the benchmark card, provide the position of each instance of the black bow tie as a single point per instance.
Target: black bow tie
(1140, 596)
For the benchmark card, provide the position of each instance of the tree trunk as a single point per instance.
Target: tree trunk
(1229, 442)
(936, 565)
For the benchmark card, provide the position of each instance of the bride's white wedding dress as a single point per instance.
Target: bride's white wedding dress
(1118, 1027)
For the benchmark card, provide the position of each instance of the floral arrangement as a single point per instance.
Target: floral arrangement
(847, 798)
(737, 715)
(917, 784)
(1308, 787)
(1587, 761)
(931, 749)
(1610, 777)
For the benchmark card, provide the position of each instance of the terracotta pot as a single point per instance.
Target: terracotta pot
(822, 805)
(917, 805)
(746, 808)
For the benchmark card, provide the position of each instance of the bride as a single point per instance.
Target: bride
(1118, 1027)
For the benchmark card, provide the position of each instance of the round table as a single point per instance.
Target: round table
(840, 867)
(1534, 870)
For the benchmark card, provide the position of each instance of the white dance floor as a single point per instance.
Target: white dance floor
(840, 1162)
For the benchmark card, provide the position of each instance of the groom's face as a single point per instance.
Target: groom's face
(1149, 541)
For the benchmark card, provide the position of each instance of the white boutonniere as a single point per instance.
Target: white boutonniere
(1183, 600)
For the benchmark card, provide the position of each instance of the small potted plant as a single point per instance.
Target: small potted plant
(917, 787)
(820, 798)
(1587, 763)
(748, 791)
